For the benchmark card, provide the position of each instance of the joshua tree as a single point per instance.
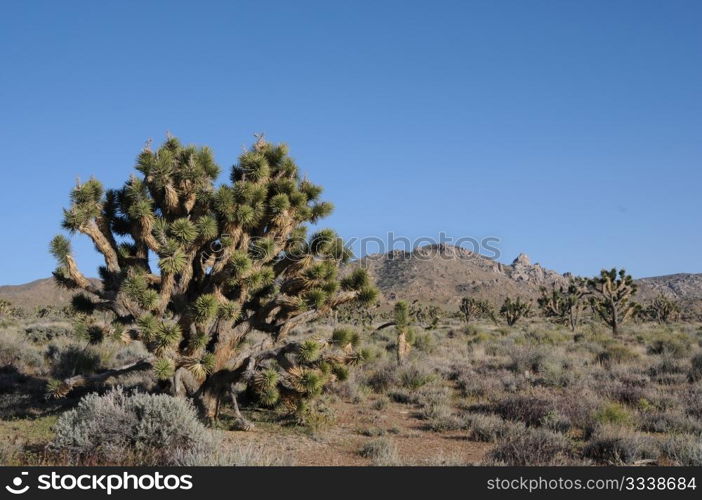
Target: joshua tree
(513, 310)
(564, 305)
(612, 292)
(469, 308)
(402, 328)
(472, 308)
(428, 316)
(488, 311)
(5, 307)
(663, 310)
(231, 259)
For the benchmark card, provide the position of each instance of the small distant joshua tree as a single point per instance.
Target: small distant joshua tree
(5, 308)
(513, 310)
(355, 314)
(232, 259)
(472, 309)
(564, 304)
(401, 316)
(612, 293)
(428, 316)
(663, 309)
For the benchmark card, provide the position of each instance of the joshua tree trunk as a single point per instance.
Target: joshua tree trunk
(402, 347)
(401, 326)
(572, 320)
(615, 319)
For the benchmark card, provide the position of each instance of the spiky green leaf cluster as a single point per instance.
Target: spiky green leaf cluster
(148, 326)
(82, 303)
(309, 351)
(344, 337)
(269, 397)
(266, 384)
(173, 260)
(341, 372)
(313, 382)
(240, 263)
(167, 334)
(136, 287)
(208, 362)
(205, 308)
(207, 227)
(60, 248)
(54, 389)
(228, 311)
(163, 368)
(315, 297)
(86, 205)
(183, 231)
(401, 315)
(357, 280)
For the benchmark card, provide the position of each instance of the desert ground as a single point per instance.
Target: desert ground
(481, 392)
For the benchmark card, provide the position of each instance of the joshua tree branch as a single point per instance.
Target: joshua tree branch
(82, 380)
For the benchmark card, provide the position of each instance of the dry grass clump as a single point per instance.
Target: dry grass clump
(532, 447)
(615, 445)
(684, 450)
(381, 452)
(490, 428)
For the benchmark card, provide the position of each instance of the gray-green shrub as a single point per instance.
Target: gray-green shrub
(142, 428)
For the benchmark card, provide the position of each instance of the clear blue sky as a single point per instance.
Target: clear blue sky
(569, 129)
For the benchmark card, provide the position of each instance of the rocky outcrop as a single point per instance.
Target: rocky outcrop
(442, 274)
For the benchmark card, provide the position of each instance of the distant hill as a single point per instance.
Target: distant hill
(40, 292)
(442, 274)
(438, 274)
(680, 286)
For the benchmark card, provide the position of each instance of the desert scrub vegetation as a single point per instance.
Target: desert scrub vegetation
(32, 363)
(538, 392)
(546, 394)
